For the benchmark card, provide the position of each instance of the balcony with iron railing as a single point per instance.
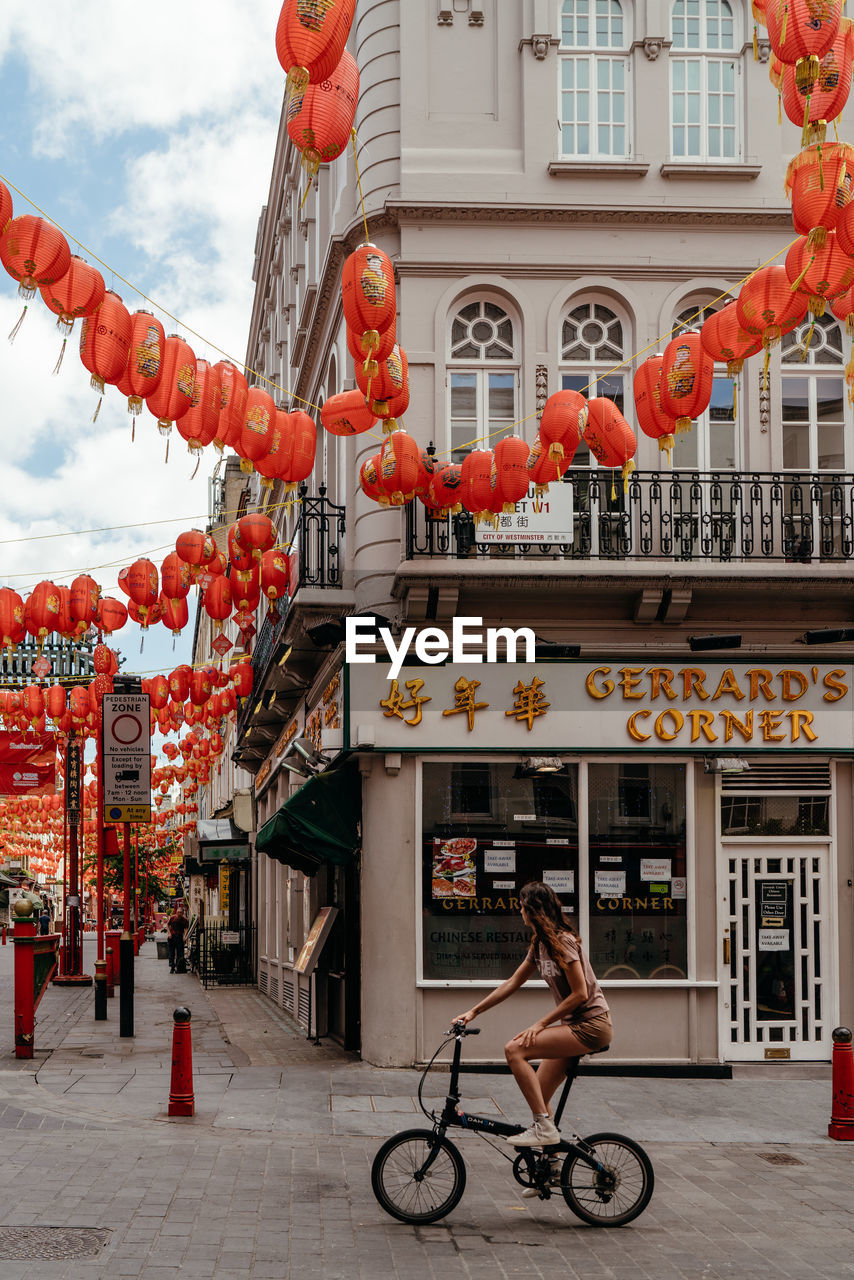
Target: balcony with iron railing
(318, 542)
(725, 517)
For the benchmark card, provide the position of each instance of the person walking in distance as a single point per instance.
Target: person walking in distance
(579, 1023)
(176, 927)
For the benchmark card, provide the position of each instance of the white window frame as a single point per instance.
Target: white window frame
(481, 435)
(705, 58)
(591, 56)
(813, 369)
(592, 369)
(703, 426)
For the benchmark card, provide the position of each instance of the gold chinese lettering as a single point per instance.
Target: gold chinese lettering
(465, 693)
(530, 702)
(395, 704)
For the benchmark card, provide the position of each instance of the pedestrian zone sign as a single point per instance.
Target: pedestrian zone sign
(127, 758)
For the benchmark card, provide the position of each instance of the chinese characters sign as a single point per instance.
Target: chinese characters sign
(579, 706)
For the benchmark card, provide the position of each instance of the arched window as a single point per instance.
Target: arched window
(714, 441)
(814, 414)
(594, 69)
(592, 345)
(483, 376)
(704, 74)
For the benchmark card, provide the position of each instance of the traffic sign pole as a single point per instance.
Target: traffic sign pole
(99, 829)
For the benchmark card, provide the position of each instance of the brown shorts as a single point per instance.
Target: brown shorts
(594, 1033)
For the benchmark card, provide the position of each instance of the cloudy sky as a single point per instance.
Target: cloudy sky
(148, 134)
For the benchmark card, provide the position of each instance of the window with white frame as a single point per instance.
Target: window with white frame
(594, 69)
(483, 376)
(714, 441)
(704, 77)
(815, 416)
(592, 347)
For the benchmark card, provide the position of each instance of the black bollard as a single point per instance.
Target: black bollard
(126, 985)
(100, 990)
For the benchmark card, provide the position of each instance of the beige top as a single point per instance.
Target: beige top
(557, 982)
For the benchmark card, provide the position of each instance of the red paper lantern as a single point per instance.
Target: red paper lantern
(143, 589)
(275, 574)
(685, 387)
(347, 414)
(174, 613)
(217, 599)
(56, 701)
(368, 294)
(179, 682)
(843, 308)
(726, 342)
(191, 547)
(277, 464)
(818, 181)
(366, 358)
(510, 470)
(200, 689)
(79, 293)
(562, 424)
(12, 629)
(144, 367)
(241, 677)
(85, 594)
(369, 480)
(235, 392)
(146, 615)
(259, 422)
(444, 492)
(159, 692)
(200, 423)
(821, 274)
(476, 482)
(767, 307)
(241, 557)
(34, 252)
(320, 117)
(105, 342)
(41, 610)
(173, 395)
(812, 106)
(256, 533)
(544, 470)
(801, 32)
(389, 390)
(5, 207)
(246, 590)
(112, 615)
(305, 447)
(608, 436)
(398, 469)
(652, 420)
(310, 38)
(175, 576)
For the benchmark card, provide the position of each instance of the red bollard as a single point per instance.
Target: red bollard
(181, 1099)
(4, 935)
(841, 1124)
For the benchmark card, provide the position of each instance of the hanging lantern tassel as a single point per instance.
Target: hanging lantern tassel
(796, 284)
(820, 167)
(58, 365)
(166, 459)
(628, 468)
(665, 444)
(765, 368)
(734, 399)
(807, 71)
(785, 23)
(97, 409)
(805, 132)
(755, 44)
(808, 339)
(849, 378)
(132, 430)
(13, 335)
(198, 463)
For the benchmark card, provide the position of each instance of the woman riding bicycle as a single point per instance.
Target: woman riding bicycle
(580, 1022)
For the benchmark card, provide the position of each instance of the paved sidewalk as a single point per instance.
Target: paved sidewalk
(271, 1178)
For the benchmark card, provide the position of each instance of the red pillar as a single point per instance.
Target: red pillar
(25, 1004)
(99, 828)
(181, 1098)
(841, 1125)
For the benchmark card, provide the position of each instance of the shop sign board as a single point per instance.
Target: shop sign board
(127, 758)
(544, 518)
(705, 707)
(318, 933)
(27, 764)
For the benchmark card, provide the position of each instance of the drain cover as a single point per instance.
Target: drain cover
(778, 1157)
(46, 1243)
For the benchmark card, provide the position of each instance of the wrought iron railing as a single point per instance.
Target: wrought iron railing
(223, 955)
(722, 516)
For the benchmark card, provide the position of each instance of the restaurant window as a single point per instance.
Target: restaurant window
(775, 815)
(637, 926)
(487, 830)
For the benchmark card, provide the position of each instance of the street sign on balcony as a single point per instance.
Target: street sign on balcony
(546, 518)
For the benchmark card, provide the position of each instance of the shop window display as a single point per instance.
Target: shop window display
(487, 830)
(637, 921)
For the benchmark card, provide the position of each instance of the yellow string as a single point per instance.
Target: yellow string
(359, 182)
(247, 369)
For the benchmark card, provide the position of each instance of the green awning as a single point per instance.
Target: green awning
(320, 823)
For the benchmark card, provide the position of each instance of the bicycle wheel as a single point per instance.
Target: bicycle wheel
(617, 1194)
(394, 1176)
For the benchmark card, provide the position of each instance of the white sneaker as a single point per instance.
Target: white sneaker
(542, 1133)
(554, 1179)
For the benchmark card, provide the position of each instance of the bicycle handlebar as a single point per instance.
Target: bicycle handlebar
(460, 1029)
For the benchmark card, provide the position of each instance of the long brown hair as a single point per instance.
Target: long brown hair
(546, 918)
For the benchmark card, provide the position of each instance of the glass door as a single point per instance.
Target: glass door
(774, 965)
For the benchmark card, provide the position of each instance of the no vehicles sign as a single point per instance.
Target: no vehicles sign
(127, 758)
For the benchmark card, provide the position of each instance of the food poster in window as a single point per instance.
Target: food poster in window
(638, 900)
(488, 831)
